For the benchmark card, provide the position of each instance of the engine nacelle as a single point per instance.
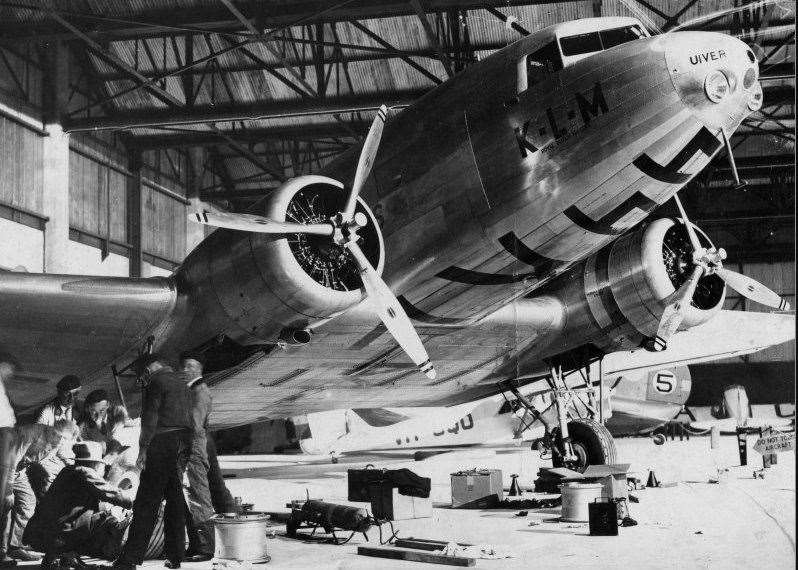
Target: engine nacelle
(253, 286)
(614, 300)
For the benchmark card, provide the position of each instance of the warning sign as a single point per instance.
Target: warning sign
(775, 443)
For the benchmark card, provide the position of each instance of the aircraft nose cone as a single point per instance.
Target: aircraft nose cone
(715, 75)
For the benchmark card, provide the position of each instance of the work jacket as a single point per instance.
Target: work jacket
(69, 504)
(167, 405)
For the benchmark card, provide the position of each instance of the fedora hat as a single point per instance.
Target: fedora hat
(88, 452)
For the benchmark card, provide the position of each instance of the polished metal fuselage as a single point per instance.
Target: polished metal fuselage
(483, 194)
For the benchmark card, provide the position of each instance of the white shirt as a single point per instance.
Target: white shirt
(53, 412)
(7, 417)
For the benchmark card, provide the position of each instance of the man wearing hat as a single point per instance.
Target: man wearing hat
(62, 407)
(164, 448)
(27, 445)
(201, 541)
(69, 515)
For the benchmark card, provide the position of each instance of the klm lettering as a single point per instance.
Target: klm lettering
(558, 124)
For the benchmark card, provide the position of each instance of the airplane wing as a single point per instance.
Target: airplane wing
(729, 334)
(66, 324)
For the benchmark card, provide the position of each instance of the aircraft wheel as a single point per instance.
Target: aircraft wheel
(592, 443)
(659, 438)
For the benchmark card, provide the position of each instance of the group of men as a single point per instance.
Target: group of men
(173, 449)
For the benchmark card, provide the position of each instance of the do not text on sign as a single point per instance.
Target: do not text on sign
(775, 443)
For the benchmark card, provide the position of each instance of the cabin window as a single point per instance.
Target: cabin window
(539, 65)
(591, 42)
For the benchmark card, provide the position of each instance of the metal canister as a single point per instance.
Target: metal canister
(242, 538)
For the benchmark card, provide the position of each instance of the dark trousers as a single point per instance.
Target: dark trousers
(162, 478)
(221, 497)
(198, 499)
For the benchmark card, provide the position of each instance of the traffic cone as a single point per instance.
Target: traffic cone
(515, 490)
(652, 480)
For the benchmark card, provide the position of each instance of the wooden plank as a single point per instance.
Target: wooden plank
(423, 543)
(414, 555)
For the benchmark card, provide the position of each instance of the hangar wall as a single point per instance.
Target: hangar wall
(87, 181)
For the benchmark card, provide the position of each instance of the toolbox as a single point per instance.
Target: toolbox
(359, 482)
(612, 479)
(477, 489)
(389, 504)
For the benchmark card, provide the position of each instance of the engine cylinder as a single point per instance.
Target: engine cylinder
(615, 299)
(252, 286)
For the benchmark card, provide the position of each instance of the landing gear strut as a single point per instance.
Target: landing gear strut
(572, 417)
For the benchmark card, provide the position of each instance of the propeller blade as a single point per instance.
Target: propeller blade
(257, 224)
(391, 313)
(752, 289)
(673, 315)
(366, 161)
(687, 224)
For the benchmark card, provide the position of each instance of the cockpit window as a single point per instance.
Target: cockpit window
(539, 65)
(598, 41)
(582, 43)
(618, 36)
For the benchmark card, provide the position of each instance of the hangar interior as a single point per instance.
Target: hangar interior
(113, 116)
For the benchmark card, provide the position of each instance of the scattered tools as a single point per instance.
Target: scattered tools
(313, 514)
(530, 503)
(415, 555)
(424, 543)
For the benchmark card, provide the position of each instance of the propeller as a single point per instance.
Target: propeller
(343, 229)
(707, 261)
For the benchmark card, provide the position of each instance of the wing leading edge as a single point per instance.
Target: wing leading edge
(52, 325)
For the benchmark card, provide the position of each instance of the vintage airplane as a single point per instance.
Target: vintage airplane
(636, 402)
(734, 412)
(497, 218)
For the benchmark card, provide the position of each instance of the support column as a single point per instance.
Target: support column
(55, 160)
(56, 199)
(134, 213)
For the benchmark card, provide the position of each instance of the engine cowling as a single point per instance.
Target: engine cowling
(253, 286)
(615, 299)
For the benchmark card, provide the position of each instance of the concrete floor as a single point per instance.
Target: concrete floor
(740, 522)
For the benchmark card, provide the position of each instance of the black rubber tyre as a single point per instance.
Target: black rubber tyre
(592, 443)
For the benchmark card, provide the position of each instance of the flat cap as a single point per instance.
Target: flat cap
(68, 382)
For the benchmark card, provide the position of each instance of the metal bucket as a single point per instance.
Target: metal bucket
(575, 499)
(241, 537)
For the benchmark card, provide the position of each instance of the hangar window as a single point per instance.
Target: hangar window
(537, 66)
(591, 42)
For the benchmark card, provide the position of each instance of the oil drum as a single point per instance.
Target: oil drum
(242, 538)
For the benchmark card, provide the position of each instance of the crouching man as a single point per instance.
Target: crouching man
(69, 519)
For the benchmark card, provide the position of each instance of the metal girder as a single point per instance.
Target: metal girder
(778, 71)
(421, 11)
(117, 62)
(253, 29)
(241, 112)
(778, 95)
(276, 110)
(217, 18)
(162, 94)
(405, 58)
(513, 24)
(204, 138)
